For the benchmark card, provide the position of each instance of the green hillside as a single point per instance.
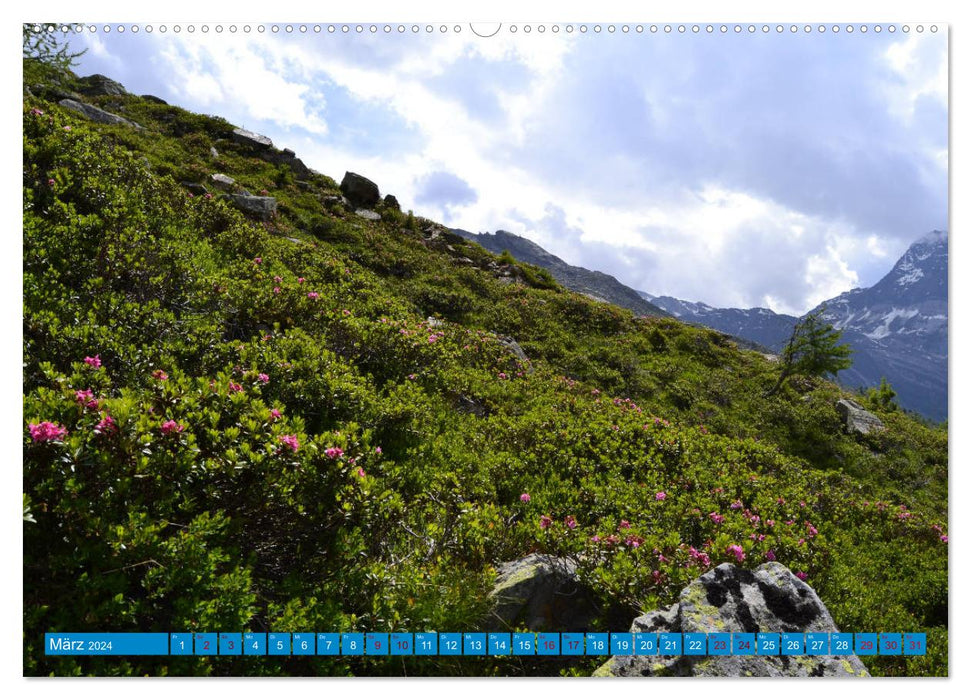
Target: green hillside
(319, 422)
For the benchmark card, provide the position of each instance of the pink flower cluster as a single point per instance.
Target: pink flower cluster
(86, 399)
(46, 431)
(736, 551)
(525, 498)
(700, 557)
(570, 522)
(545, 521)
(334, 453)
(660, 496)
(290, 441)
(93, 361)
(716, 518)
(170, 426)
(160, 375)
(263, 378)
(106, 425)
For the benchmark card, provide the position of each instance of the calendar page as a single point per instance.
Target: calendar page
(514, 349)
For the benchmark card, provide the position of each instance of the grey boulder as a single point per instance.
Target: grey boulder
(97, 84)
(857, 419)
(251, 139)
(262, 207)
(359, 190)
(731, 599)
(541, 593)
(95, 114)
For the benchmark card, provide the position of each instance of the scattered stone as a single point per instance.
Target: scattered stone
(286, 157)
(858, 419)
(770, 357)
(359, 190)
(541, 593)
(153, 98)
(304, 185)
(467, 404)
(391, 202)
(464, 261)
(731, 599)
(368, 214)
(222, 181)
(195, 187)
(263, 207)
(433, 322)
(513, 347)
(252, 140)
(95, 114)
(213, 152)
(97, 84)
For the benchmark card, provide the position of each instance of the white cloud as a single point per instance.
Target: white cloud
(704, 236)
(921, 67)
(258, 78)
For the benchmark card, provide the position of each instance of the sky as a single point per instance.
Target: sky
(764, 169)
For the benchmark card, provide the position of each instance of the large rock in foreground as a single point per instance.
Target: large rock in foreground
(361, 192)
(731, 599)
(541, 593)
(858, 419)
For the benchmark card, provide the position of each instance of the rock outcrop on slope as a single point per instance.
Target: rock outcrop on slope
(541, 593)
(857, 419)
(732, 599)
(96, 114)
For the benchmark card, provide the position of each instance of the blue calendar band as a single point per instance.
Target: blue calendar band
(484, 644)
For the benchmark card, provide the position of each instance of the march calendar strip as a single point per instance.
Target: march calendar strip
(290, 644)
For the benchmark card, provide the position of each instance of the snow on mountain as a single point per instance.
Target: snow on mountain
(897, 328)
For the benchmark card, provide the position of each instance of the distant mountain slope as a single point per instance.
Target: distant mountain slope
(596, 285)
(762, 326)
(897, 328)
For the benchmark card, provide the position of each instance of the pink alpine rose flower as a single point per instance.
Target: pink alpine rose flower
(170, 426)
(570, 522)
(290, 441)
(802, 575)
(93, 361)
(660, 496)
(106, 425)
(334, 453)
(263, 378)
(545, 521)
(736, 551)
(86, 399)
(46, 431)
(525, 498)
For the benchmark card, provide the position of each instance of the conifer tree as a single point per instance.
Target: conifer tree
(813, 350)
